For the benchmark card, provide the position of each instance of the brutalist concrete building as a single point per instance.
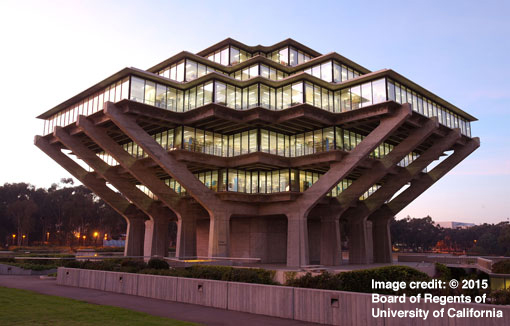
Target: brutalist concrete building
(273, 152)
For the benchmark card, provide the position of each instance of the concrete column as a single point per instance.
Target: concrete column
(134, 237)
(219, 235)
(297, 240)
(331, 247)
(359, 242)
(382, 238)
(186, 237)
(156, 237)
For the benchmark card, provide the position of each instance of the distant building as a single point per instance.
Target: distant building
(454, 225)
(258, 151)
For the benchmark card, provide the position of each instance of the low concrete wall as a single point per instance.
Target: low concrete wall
(309, 305)
(202, 292)
(261, 299)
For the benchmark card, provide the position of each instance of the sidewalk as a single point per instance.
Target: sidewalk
(176, 310)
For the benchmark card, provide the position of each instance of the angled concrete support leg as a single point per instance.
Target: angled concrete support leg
(381, 238)
(134, 237)
(156, 237)
(331, 248)
(186, 237)
(297, 240)
(359, 242)
(219, 235)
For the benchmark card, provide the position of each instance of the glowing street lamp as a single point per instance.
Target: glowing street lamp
(96, 235)
(23, 242)
(13, 238)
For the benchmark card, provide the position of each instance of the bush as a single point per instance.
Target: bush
(156, 263)
(443, 272)
(219, 273)
(361, 280)
(501, 267)
(132, 266)
(500, 297)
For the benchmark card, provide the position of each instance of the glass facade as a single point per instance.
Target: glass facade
(258, 94)
(229, 55)
(333, 72)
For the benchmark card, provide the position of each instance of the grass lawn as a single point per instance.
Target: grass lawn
(20, 307)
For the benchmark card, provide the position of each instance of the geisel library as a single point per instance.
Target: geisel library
(269, 152)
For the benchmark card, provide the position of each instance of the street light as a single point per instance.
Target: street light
(96, 235)
(13, 238)
(23, 242)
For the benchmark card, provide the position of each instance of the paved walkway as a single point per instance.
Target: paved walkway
(176, 310)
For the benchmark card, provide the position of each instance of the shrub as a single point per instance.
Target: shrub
(501, 267)
(132, 266)
(443, 272)
(156, 263)
(361, 280)
(500, 297)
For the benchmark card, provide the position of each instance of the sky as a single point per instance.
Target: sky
(459, 50)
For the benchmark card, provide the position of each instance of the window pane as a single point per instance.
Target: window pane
(337, 73)
(234, 55)
(137, 89)
(220, 96)
(287, 96)
(253, 141)
(378, 91)
(284, 56)
(180, 72)
(254, 71)
(160, 96)
(356, 97)
(264, 71)
(326, 71)
(231, 96)
(293, 60)
(309, 93)
(191, 70)
(253, 96)
(150, 93)
(264, 96)
(366, 92)
(297, 93)
(264, 141)
(328, 139)
(244, 143)
(224, 56)
(208, 92)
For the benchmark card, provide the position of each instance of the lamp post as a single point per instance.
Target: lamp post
(96, 235)
(23, 241)
(13, 239)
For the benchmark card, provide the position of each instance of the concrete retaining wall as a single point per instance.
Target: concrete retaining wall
(309, 305)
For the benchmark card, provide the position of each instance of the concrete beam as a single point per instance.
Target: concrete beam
(425, 181)
(341, 169)
(133, 216)
(158, 214)
(99, 135)
(383, 166)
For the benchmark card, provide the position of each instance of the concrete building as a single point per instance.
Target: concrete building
(455, 225)
(258, 151)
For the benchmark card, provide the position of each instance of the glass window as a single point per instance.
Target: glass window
(254, 71)
(254, 182)
(231, 96)
(391, 90)
(325, 99)
(239, 98)
(245, 74)
(284, 56)
(241, 181)
(180, 102)
(287, 96)
(297, 93)
(326, 71)
(264, 96)
(245, 143)
(328, 139)
(317, 140)
(293, 57)
(284, 180)
(232, 180)
(202, 70)
(264, 141)
(316, 71)
(264, 71)
(339, 138)
(355, 97)
(253, 141)
(337, 71)
(309, 93)
(234, 55)
(180, 72)
(300, 144)
(378, 91)
(189, 138)
(281, 144)
(161, 96)
(272, 142)
(275, 181)
(344, 73)
(191, 70)
(150, 92)
(253, 96)
(220, 96)
(224, 57)
(308, 143)
(366, 92)
(137, 89)
(262, 182)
